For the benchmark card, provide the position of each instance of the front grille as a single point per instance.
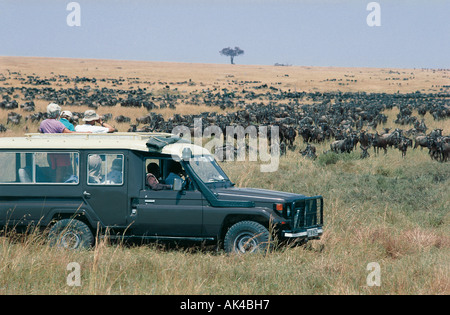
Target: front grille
(308, 212)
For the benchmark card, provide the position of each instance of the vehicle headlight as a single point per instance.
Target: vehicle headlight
(288, 211)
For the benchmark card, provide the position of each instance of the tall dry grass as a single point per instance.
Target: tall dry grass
(384, 209)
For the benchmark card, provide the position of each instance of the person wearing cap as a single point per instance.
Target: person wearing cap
(66, 117)
(90, 118)
(95, 169)
(51, 124)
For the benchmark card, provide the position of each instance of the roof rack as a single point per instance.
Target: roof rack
(99, 136)
(165, 143)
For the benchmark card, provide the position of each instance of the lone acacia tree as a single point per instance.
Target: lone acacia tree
(230, 52)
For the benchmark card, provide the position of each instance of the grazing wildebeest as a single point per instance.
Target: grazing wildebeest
(341, 146)
(445, 151)
(385, 140)
(364, 139)
(14, 118)
(309, 152)
(122, 119)
(422, 141)
(144, 120)
(404, 144)
(106, 117)
(289, 134)
(226, 152)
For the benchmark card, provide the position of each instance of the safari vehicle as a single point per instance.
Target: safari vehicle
(51, 181)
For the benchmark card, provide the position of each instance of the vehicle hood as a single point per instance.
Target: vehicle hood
(256, 195)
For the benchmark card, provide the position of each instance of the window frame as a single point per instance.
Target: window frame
(33, 178)
(105, 171)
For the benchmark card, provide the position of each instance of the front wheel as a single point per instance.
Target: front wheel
(71, 234)
(247, 237)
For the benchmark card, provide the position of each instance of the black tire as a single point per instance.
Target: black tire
(71, 234)
(247, 237)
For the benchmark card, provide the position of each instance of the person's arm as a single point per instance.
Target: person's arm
(68, 131)
(154, 184)
(110, 128)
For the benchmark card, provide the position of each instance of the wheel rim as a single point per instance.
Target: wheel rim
(246, 243)
(70, 240)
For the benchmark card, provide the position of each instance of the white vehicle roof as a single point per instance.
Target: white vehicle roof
(110, 141)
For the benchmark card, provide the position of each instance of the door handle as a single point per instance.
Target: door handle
(86, 195)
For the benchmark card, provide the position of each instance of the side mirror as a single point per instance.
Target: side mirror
(186, 154)
(177, 184)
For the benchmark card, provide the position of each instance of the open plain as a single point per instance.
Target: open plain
(389, 208)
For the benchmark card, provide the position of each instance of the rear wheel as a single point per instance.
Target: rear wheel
(71, 234)
(247, 237)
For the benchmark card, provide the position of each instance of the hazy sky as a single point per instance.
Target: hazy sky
(412, 34)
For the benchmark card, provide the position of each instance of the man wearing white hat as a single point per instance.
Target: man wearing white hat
(90, 118)
(52, 125)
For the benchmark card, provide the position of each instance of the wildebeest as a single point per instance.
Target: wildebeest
(122, 119)
(28, 106)
(385, 140)
(445, 152)
(226, 152)
(14, 118)
(341, 146)
(309, 152)
(403, 145)
(421, 141)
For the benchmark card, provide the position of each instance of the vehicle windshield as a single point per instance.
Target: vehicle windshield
(207, 169)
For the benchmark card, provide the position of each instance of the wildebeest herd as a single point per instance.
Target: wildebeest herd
(346, 119)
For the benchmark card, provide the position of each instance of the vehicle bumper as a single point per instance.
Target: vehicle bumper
(310, 233)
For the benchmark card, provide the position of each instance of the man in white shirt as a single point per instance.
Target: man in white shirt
(90, 118)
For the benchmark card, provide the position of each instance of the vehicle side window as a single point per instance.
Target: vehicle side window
(56, 167)
(161, 174)
(39, 168)
(105, 169)
(155, 165)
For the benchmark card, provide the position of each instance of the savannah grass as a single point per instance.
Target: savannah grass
(383, 209)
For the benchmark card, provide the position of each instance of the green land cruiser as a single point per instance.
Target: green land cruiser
(81, 185)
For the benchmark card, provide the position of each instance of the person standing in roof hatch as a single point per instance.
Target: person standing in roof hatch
(51, 124)
(66, 117)
(90, 118)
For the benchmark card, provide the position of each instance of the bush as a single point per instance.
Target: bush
(332, 158)
(327, 159)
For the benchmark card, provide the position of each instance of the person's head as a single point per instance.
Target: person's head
(176, 168)
(95, 165)
(117, 165)
(90, 117)
(67, 115)
(153, 168)
(53, 110)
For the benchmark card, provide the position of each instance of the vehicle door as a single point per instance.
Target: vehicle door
(167, 212)
(36, 182)
(105, 187)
